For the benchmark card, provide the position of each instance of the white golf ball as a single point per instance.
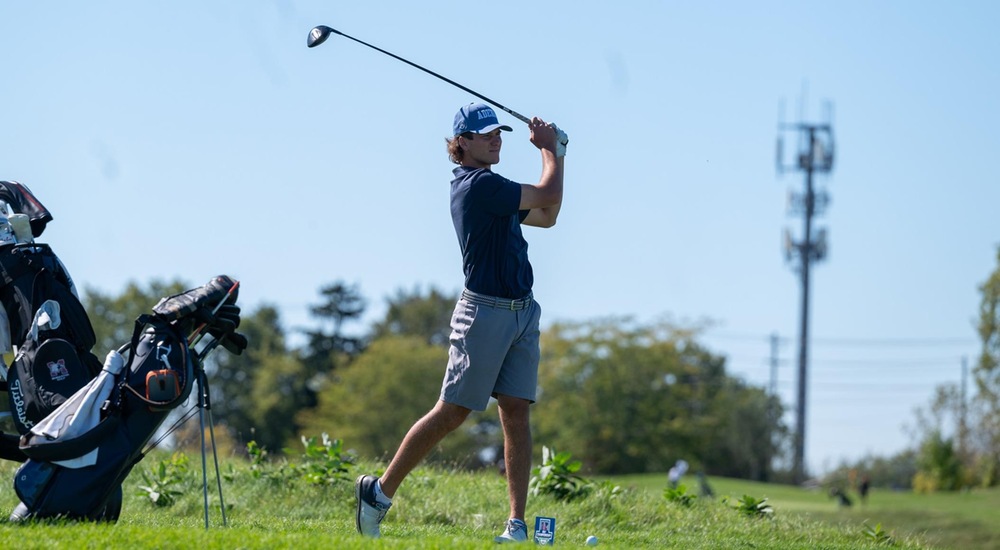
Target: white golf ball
(591, 540)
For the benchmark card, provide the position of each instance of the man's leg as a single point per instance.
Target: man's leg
(427, 432)
(514, 416)
(422, 437)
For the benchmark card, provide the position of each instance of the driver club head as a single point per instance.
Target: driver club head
(318, 35)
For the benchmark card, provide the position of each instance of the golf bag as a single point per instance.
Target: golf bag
(80, 454)
(82, 426)
(41, 318)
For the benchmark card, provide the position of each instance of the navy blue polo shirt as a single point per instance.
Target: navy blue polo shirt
(484, 208)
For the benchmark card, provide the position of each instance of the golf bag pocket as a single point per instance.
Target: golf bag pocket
(49, 490)
(42, 378)
(160, 369)
(31, 481)
(162, 386)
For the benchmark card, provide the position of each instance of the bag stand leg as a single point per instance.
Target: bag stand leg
(205, 406)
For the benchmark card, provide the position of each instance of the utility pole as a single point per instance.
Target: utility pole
(963, 425)
(772, 409)
(813, 155)
(774, 363)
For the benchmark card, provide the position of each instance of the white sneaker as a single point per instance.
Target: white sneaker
(369, 510)
(515, 531)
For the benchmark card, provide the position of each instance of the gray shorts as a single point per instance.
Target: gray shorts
(494, 350)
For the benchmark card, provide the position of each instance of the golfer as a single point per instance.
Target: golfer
(494, 328)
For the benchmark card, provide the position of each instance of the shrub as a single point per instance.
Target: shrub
(557, 477)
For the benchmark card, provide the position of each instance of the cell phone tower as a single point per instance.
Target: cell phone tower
(812, 154)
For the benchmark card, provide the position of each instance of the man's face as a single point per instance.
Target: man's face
(482, 150)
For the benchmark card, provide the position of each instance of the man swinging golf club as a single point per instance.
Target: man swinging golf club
(495, 326)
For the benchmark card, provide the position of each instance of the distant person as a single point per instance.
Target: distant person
(842, 499)
(706, 489)
(676, 472)
(495, 326)
(863, 488)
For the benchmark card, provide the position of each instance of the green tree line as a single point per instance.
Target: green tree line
(957, 436)
(623, 396)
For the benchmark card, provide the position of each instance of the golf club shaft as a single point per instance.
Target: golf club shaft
(515, 114)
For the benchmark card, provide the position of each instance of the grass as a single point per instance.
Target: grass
(963, 520)
(439, 508)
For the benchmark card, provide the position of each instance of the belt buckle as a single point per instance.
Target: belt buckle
(512, 305)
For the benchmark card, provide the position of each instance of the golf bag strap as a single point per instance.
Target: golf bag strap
(13, 272)
(140, 323)
(38, 448)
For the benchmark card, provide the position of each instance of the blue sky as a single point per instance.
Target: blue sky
(188, 139)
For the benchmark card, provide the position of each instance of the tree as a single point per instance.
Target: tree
(372, 402)
(938, 466)
(633, 398)
(113, 316)
(414, 314)
(342, 303)
(329, 347)
(987, 372)
(893, 472)
(276, 396)
(745, 437)
(250, 392)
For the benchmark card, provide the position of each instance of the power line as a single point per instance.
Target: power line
(880, 386)
(888, 342)
(762, 362)
(896, 342)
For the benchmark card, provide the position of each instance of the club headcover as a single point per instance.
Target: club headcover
(206, 297)
(22, 201)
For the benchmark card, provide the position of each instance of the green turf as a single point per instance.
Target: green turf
(436, 508)
(964, 520)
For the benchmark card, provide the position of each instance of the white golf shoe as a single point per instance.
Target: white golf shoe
(514, 531)
(370, 511)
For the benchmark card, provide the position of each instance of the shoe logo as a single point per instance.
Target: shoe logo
(58, 370)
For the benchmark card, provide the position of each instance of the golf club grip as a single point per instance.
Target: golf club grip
(514, 114)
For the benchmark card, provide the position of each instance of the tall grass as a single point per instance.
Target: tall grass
(435, 508)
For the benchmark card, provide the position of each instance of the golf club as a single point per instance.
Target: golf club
(319, 34)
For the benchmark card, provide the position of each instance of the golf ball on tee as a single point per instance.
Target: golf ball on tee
(591, 540)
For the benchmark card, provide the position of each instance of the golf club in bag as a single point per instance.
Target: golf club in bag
(82, 429)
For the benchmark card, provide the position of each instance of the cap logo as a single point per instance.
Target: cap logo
(477, 118)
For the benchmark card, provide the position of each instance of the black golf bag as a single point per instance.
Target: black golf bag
(77, 471)
(82, 427)
(41, 318)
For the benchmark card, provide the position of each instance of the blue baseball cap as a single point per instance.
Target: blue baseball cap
(478, 119)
